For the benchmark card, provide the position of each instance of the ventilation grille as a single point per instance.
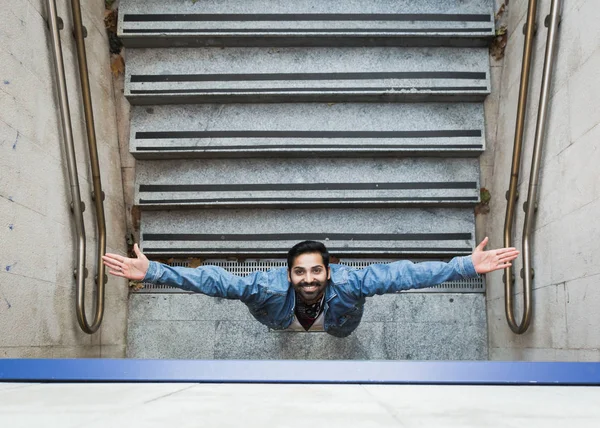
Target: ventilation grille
(475, 285)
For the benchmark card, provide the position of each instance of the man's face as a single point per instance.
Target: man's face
(309, 277)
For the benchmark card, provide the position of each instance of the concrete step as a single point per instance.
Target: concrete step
(374, 232)
(313, 129)
(320, 182)
(209, 75)
(153, 23)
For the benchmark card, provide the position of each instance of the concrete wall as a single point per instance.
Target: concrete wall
(407, 326)
(565, 241)
(37, 252)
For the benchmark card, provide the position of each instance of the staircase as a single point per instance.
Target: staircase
(258, 124)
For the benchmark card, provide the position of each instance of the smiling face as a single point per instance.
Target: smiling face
(309, 277)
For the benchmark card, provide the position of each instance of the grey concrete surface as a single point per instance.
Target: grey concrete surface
(406, 326)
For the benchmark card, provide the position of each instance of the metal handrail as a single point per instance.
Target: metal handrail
(540, 130)
(77, 205)
(530, 206)
(98, 194)
(514, 175)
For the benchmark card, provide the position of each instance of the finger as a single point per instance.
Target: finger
(110, 259)
(117, 273)
(117, 257)
(506, 250)
(139, 253)
(509, 256)
(483, 243)
(508, 253)
(112, 266)
(500, 266)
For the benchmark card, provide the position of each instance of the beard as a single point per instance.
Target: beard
(310, 292)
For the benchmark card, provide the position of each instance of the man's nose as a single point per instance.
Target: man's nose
(309, 277)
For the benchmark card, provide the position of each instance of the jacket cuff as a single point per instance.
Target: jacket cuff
(153, 273)
(467, 268)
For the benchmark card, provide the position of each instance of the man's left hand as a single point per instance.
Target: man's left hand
(488, 261)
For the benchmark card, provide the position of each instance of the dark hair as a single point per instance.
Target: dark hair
(306, 247)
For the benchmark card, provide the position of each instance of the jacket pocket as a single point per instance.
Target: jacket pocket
(259, 312)
(355, 312)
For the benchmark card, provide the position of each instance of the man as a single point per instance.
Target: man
(311, 294)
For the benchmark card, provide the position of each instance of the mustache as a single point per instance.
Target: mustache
(311, 284)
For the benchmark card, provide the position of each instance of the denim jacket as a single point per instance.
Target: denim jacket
(271, 298)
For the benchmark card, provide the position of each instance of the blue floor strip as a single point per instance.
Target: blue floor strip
(291, 371)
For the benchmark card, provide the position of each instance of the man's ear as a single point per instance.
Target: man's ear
(289, 277)
(328, 272)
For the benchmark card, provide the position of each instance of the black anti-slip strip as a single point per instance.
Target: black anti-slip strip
(361, 148)
(255, 77)
(241, 17)
(156, 135)
(379, 91)
(291, 31)
(306, 236)
(303, 186)
(291, 200)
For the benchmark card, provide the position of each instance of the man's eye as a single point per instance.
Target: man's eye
(317, 270)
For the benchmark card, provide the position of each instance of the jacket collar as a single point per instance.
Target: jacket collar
(329, 292)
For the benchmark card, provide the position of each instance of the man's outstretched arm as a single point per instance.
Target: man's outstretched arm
(405, 275)
(209, 280)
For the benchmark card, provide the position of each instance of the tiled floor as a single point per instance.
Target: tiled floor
(303, 406)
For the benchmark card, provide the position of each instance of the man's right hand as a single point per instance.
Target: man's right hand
(126, 267)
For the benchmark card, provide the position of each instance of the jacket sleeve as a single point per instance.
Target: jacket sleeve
(406, 275)
(210, 280)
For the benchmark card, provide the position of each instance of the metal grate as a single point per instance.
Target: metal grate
(475, 285)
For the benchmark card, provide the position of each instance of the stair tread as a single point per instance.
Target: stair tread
(297, 74)
(243, 130)
(146, 23)
(306, 182)
(233, 7)
(271, 232)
